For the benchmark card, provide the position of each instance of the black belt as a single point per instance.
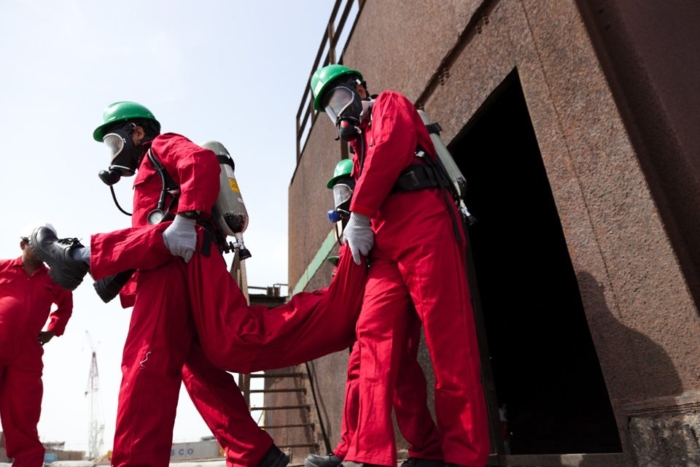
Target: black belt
(416, 177)
(420, 176)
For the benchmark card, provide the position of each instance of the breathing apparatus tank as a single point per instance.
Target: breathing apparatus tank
(229, 212)
(456, 176)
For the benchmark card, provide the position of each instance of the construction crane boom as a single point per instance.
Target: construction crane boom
(95, 420)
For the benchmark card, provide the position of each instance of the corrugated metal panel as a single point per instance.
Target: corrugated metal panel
(194, 450)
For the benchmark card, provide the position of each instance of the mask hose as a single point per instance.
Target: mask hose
(362, 154)
(114, 197)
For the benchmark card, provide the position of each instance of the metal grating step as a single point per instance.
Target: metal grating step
(300, 445)
(281, 407)
(281, 375)
(296, 425)
(260, 391)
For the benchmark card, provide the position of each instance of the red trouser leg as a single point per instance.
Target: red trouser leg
(132, 248)
(411, 402)
(234, 335)
(21, 390)
(382, 331)
(157, 344)
(244, 338)
(220, 403)
(435, 275)
(351, 407)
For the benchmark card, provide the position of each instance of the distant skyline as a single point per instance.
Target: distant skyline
(233, 71)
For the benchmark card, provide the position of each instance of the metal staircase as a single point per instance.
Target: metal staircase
(285, 412)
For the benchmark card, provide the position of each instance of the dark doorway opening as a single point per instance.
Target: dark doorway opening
(545, 369)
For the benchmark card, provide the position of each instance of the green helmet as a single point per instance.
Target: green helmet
(342, 169)
(334, 260)
(121, 112)
(325, 76)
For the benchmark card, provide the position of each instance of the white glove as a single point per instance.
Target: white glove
(359, 236)
(181, 237)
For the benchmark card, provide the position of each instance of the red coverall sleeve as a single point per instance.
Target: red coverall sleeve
(198, 171)
(59, 318)
(391, 148)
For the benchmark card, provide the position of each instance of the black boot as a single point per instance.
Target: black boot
(56, 253)
(314, 460)
(416, 462)
(274, 457)
(108, 287)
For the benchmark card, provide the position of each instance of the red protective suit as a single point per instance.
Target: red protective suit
(161, 348)
(415, 254)
(410, 399)
(233, 335)
(25, 305)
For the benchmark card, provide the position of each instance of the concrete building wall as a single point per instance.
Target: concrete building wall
(649, 56)
(610, 96)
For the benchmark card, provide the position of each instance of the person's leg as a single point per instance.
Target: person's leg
(435, 274)
(107, 254)
(348, 423)
(219, 401)
(157, 344)
(133, 248)
(243, 338)
(235, 336)
(381, 335)
(411, 403)
(21, 390)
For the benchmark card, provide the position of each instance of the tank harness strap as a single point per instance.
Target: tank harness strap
(169, 185)
(434, 128)
(225, 160)
(416, 177)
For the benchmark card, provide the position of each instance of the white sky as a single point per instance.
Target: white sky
(227, 70)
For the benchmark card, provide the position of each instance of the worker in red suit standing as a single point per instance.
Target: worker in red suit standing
(410, 398)
(27, 294)
(162, 349)
(404, 219)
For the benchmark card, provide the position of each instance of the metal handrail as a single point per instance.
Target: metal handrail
(330, 38)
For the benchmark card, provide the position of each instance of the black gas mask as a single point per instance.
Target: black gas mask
(124, 154)
(345, 108)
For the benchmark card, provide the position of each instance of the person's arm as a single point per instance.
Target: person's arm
(389, 151)
(198, 178)
(59, 318)
(198, 172)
